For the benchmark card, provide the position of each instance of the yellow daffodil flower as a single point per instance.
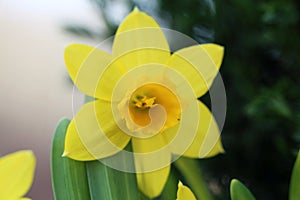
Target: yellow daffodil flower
(144, 94)
(16, 175)
(184, 193)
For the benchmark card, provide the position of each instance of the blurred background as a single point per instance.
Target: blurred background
(35, 89)
(260, 71)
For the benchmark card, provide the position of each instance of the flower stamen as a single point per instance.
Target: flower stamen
(143, 102)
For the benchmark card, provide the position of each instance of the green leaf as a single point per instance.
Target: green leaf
(69, 179)
(111, 184)
(192, 174)
(295, 180)
(239, 192)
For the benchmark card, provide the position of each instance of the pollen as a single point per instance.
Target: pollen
(144, 102)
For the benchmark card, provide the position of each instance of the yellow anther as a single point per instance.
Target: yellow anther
(144, 102)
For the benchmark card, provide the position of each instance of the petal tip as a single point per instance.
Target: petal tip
(28, 152)
(210, 47)
(180, 184)
(221, 48)
(69, 48)
(222, 150)
(65, 154)
(136, 9)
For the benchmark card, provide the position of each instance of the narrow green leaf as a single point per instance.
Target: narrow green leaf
(190, 170)
(239, 192)
(111, 184)
(69, 179)
(295, 180)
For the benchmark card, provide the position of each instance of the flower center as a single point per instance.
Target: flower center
(150, 95)
(143, 102)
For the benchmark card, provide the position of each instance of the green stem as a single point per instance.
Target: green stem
(170, 190)
(192, 174)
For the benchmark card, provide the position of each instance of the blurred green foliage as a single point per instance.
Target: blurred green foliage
(261, 72)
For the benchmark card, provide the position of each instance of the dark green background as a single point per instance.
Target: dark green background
(260, 70)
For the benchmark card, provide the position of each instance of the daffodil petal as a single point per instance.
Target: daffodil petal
(184, 193)
(16, 172)
(207, 141)
(152, 183)
(199, 64)
(87, 65)
(150, 144)
(144, 56)
(121, 66)
(93, 134)
(152, 163)
(139, 40)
